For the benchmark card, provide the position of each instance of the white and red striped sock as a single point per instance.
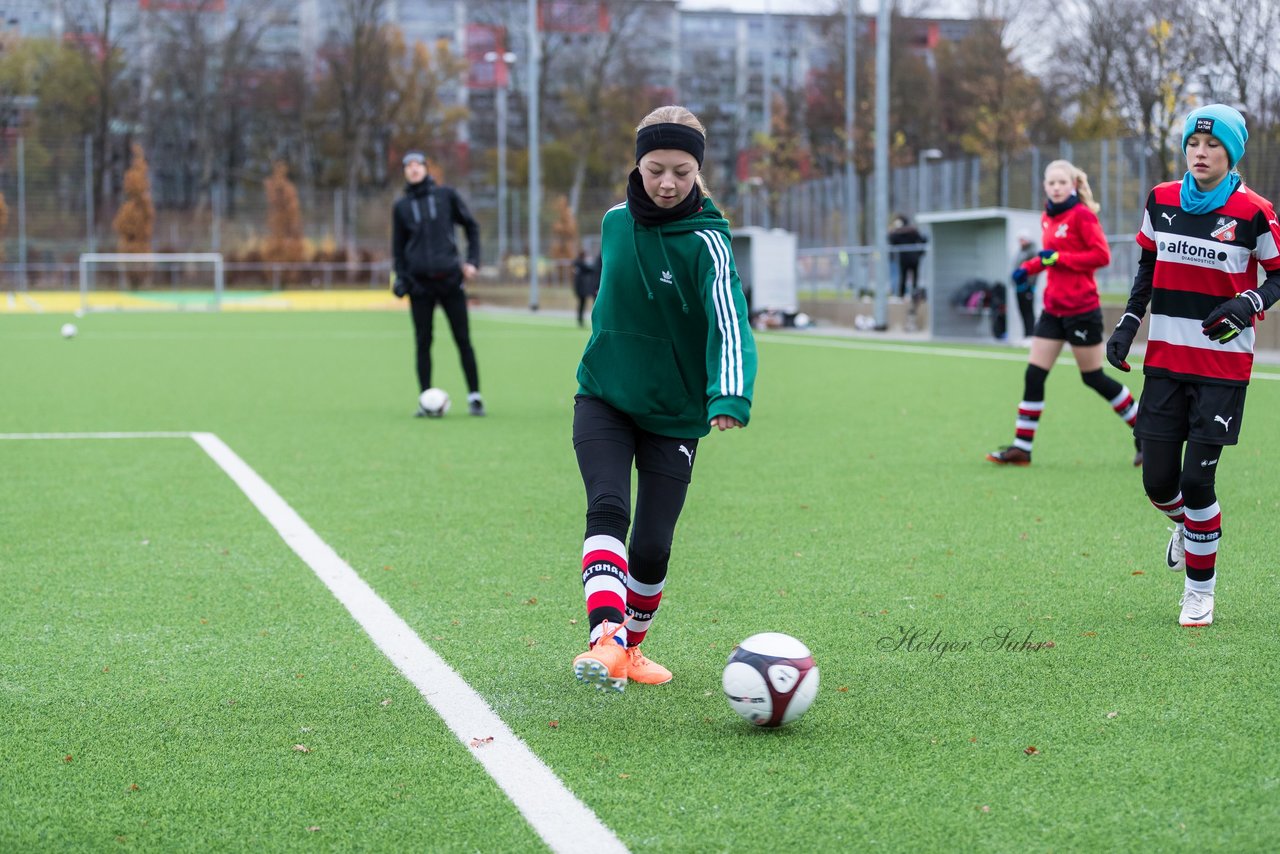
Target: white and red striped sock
(1173, 509)
(1125, 406)
(1029, 412)
(1204, 529)
(604, 582)
(642, 604)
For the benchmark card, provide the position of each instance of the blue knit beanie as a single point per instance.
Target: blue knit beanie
(1221, 121)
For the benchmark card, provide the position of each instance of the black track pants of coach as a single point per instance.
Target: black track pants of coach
(454, 303)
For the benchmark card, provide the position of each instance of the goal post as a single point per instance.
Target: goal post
(160, 268)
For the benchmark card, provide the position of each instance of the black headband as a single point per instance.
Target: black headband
(669, 135)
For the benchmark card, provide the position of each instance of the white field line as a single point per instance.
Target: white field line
(564, 823)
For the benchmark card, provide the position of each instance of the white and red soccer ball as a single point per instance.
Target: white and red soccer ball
(770, 679)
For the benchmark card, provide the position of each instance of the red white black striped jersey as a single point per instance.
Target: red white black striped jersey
(1201, 260)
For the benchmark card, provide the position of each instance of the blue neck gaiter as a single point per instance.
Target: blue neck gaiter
(1197, 201)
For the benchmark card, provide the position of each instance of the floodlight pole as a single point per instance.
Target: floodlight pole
(882, 166)
(535, 179)
(850, 104)
(500, 94)
(921, 190)
(91, 239)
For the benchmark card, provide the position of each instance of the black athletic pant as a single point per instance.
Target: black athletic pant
(608, 444)
(1026, 307)
(908, 270)
(454, 302)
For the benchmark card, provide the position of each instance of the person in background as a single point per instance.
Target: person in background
(429, 270)
(903, 233)
(1074, 247)
(1203, 239)
(586, 281)
(1026, 292)
(670, 358)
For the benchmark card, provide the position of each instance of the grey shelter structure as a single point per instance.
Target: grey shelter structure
(970, 249)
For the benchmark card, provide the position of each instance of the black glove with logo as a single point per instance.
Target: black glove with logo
(1121, 340)
(1232, 317)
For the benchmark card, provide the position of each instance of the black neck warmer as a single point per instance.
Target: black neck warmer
(646, 211)
(1066, 204)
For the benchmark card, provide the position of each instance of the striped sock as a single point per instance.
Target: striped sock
(1024, 434)
(1125, 406)
(1204, 529)
(1172, 508)
(604, 581)
(642, 604)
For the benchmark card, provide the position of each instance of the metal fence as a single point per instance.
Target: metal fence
(54, 214)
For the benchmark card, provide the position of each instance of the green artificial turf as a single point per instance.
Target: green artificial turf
(162, 651)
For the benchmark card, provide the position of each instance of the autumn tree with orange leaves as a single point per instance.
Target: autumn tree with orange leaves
(284, 218)
(136, 217)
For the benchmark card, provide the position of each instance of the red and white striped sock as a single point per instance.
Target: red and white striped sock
(604, 582)
(1204, 529)
(642, 604)
(1125, 406)
(1173, 509)
(1029, 412)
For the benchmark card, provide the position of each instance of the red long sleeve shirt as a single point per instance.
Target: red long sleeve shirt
(1082, 248)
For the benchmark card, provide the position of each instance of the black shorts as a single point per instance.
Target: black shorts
(1079, 330)
(1176, 411)
(595, 420)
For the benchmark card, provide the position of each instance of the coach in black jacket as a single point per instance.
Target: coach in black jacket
(429, 269)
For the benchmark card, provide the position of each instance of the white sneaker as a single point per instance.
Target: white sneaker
(1197, 608)
(1175, 557)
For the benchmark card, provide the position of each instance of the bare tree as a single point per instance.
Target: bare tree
(1238, 70)
(201, 79)
(353, 99)
(93, 27)
(1139, 72)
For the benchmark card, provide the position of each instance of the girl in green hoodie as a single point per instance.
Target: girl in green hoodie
(670, 356)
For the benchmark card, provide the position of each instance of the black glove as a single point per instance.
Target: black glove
(1232, 317)
(1121, 340)
(400, 287)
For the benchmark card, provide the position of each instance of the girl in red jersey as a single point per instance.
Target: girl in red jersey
(1202, 241)
(1074, 246)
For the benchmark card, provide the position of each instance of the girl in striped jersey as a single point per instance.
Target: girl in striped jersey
(670, 357)
(1074, 246)
(1202, 241)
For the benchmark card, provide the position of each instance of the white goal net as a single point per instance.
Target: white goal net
(156, 281)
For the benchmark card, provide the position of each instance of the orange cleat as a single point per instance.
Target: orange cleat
(644, 671)
(605, 664)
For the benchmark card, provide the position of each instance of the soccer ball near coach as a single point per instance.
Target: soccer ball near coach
(434, 402)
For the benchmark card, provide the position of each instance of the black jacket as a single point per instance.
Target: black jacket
(423, 223)
(907, 235)
(586, 277)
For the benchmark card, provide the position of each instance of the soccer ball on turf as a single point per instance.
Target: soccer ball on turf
(434, 402)
(69, 330)
(770, 679)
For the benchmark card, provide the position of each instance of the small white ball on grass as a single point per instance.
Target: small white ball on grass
(69, 330)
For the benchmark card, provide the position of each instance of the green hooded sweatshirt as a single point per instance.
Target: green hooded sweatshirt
(671, 342)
